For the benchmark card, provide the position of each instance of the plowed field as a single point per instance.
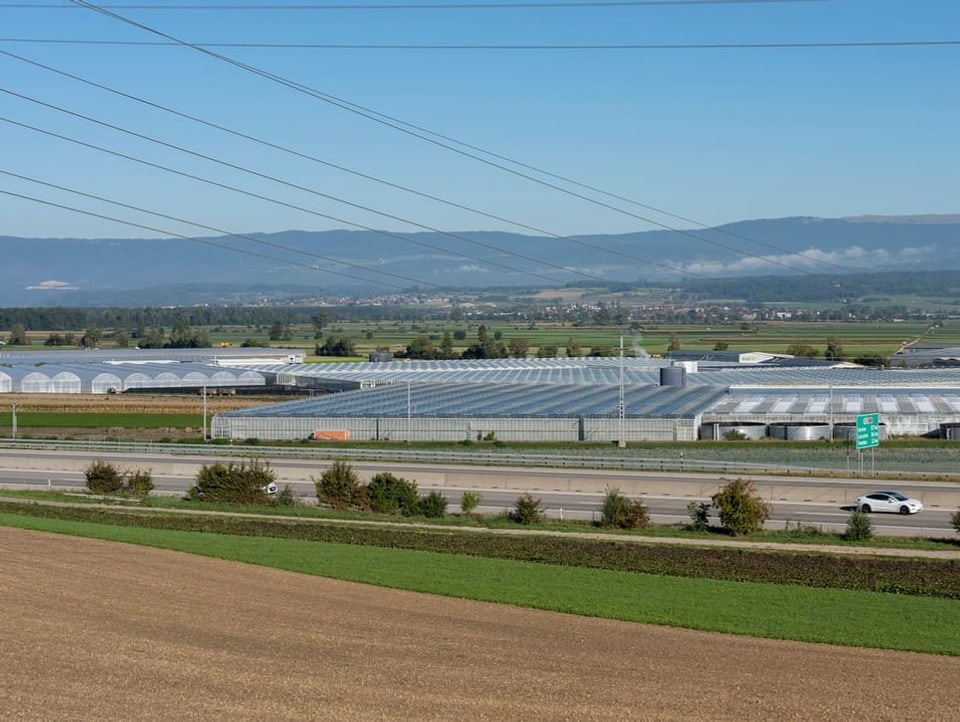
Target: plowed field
(94, 630)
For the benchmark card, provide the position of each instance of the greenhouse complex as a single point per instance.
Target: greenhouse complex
(691, 396)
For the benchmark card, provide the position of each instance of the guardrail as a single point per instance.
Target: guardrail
(479, 458)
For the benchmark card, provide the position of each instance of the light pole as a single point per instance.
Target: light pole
(621, 442)
(13, 431)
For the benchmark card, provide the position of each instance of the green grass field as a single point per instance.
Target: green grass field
(830, 616)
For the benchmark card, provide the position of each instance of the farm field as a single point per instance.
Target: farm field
(856, 338)
(96, 630)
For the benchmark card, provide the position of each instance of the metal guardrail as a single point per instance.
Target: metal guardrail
(479, 458)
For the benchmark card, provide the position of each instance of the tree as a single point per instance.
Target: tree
(91, 337)
(621, 512)
(249, 484)
(741, 509)
(336, 347)
(674, 344)
(18, 335)
(446, 346)
(527, 510)
(548, 351)
(518, 347)
(573, 348)
(859, 526)
(469, 501)
(106, 478)
(319, 321)
(721, 346)
(802, 350)
(389, 494)
(279, 331)
(433, 505)
(421, 347)
(834, 350)
(339, 487)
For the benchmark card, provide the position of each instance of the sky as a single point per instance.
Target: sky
(592, 140)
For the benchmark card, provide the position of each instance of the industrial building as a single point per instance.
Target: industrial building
(580, 399)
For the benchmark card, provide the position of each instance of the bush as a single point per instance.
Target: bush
(955, 520)
(339, 487)
(106, 478)
(859, 526)
(103, 477)
(284, 497)
(389, 494)
(234, 483)
(469, 501)
(621, 512)
(433, 505)
(699, 512)
(527, 510)
(741, 509)
(140, 483)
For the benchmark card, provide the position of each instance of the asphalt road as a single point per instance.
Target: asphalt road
(790, 499)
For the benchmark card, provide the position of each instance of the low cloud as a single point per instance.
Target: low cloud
(52, 286)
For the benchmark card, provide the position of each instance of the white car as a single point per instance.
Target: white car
(892, 501)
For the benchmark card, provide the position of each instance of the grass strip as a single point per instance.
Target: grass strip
(833, 616)
(915, 577)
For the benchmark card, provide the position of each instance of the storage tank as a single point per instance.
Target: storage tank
(751, 431)
(673, 376)
(848, 432)
(800, 432)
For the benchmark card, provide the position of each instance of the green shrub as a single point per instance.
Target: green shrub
(389, 494)
(741, 509)
(339, 487)
(284, 497)
(621, 512)
(433, 505)
(103, 477)
(527, 510)
(233, 483)
(469, 501)
(955, 520)
(859, 526)
(106, 478)
(699, 513)
(140, 483)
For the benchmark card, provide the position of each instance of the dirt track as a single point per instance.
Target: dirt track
(96, 630)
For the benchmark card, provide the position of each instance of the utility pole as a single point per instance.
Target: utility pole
(204, 414)
(13, 432)
(621, 442)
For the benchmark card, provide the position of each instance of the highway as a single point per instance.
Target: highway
(824, 503)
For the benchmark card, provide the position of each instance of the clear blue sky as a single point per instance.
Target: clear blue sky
(714, 135)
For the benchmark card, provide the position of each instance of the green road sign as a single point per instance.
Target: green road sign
(868, 431)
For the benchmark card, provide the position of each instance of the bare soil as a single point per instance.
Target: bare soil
(95, 630)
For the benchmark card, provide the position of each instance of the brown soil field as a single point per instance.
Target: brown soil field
(134, 403)
(95, 630)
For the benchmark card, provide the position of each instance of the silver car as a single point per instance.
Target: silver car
(891, 501)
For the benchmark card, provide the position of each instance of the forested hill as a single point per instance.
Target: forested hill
(829, 288)
(257, 267)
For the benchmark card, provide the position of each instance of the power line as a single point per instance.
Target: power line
(419, 6)
(414, 131)
(348, 170)
(312, 191)
(243, 236)
(164, 232)
(276, 201)
(511, 47)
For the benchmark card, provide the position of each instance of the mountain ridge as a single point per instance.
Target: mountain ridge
(271, 265)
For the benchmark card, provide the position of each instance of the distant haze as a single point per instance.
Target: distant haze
(131, 272)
